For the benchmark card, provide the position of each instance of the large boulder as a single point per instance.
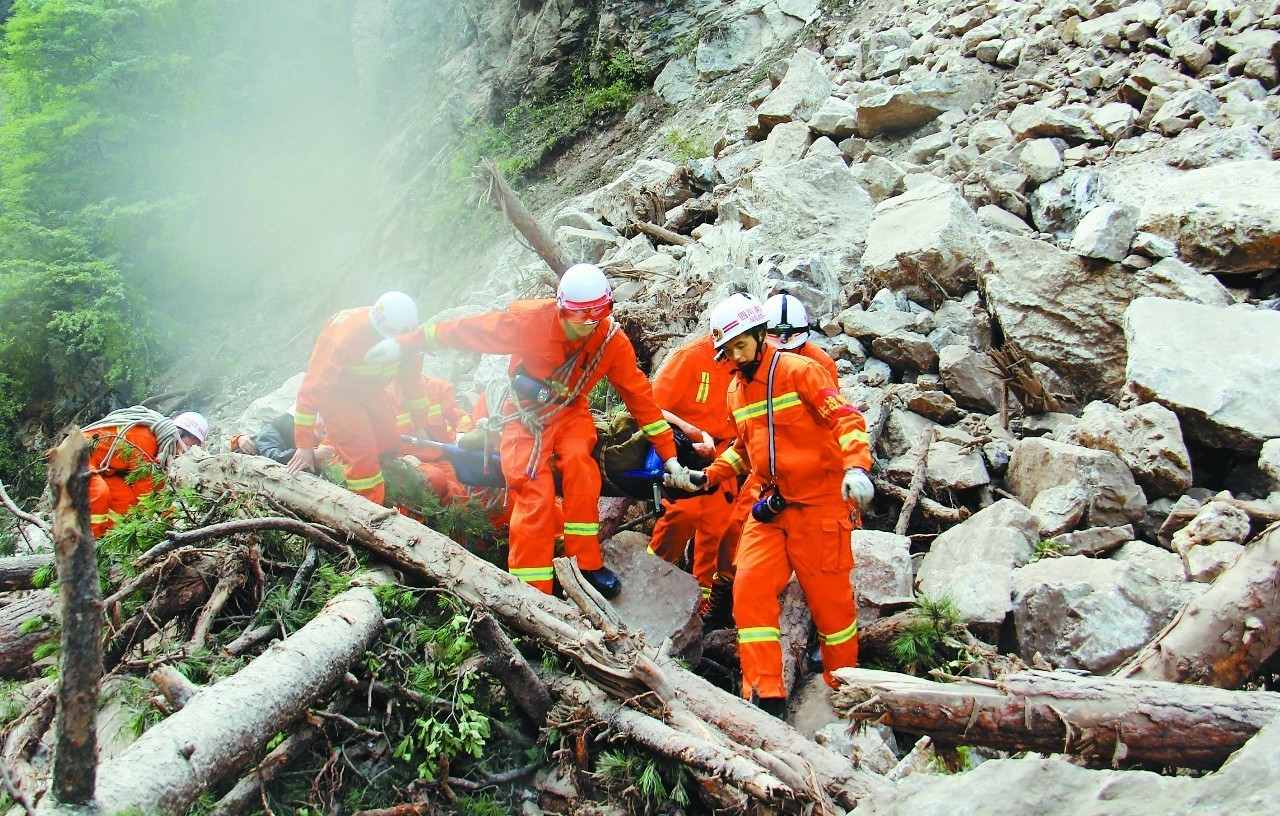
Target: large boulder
(1039, 464)
(973, 562)
(810, 208)
(800, 94)
(1088, 613)
(1148, 439)
(923, 239)
(1215, 368)
(1066, 313)
(1225, 217)
(906, 107)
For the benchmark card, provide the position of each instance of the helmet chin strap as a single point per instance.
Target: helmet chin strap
(749, 369)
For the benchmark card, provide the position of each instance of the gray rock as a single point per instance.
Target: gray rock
(906, 351)
(801, 92)
(907, 107)
(1105, 232)
(1148, 439)
(1269, 462)
(835, 117)
(970, 378)
(677, 82)
(1059, 509)
(1225, 217)
(1041, 160)
(1058, 205)
(947, 467)
(1205, 563)
(1039, 464)
(974, 561)
(1087, 613)
(786, 143)
(1040, 121)
(998, 218)
(931, 229)
(658, 599)
(1213, 367)
(882, 572)
(1093, 542)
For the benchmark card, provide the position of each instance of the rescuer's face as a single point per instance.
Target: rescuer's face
(742, 350)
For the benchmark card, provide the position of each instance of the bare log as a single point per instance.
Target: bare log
(1222, 636)
(246, 795)
(917, 482)
(19, 571)
(938, 513)
(220, 729)
(794, 622)
(174, 685)
(505, 662)
(498, 191)
(80, 606)
(254, 525)
(408, 545)
(17, 511)
(17, 645)
(1106, 721)
(664, 235)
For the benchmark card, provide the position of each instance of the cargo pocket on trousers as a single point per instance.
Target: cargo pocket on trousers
(837, 544)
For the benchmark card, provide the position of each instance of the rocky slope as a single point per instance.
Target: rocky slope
(1047, 231)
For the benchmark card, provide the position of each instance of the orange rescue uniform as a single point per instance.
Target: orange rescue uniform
(352, 396)
(692, 384)
(110, 492)
(817, 436)
(445, 420)
(531, 331)
(810, 350)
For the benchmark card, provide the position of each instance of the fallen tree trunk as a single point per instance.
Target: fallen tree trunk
(221, 728)
(19, 571)
(1222, 636)
(18, 639)
(1105, 721)
(616, 662)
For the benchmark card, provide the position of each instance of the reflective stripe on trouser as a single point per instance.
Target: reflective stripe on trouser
(813, 541)
(110, 497)
(535, 520)
(360, 431)
(703, 518)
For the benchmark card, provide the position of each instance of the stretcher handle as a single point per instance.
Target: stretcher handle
(422, 443)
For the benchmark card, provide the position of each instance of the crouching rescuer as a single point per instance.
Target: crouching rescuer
(807, 448)
(563, 347)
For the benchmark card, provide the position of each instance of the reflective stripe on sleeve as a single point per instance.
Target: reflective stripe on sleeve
(655, 428)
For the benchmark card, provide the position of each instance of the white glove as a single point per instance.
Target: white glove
(383, 352)
(857, 488)
(679, 476)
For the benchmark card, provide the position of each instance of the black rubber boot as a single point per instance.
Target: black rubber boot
(719, 607)
(774, 706)
(606, 582)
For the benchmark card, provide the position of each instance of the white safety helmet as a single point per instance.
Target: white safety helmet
(194, 424)
(394, 314)
(585, 291)
(788, 320)
(737, 314)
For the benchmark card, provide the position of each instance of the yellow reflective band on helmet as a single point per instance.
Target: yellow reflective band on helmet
(403, 419)
(759, 634)
(780, 403)
(304, 419)
(418, 403)
(365, 484)
(531, 574)
(655, 428)
(581, 528)
(843, 635)
(429, 333)
(855, 436)
(704, 387)
(735, 461)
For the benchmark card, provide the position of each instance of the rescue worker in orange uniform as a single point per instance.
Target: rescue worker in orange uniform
(788, 329)
(808, 447)
(352, 394)
(691, 388)
(445, 421)
(561, 348)
(129, 451)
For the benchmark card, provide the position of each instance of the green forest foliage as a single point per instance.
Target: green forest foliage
(149, 151)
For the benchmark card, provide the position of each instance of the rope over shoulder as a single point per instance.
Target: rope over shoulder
(167, 434)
